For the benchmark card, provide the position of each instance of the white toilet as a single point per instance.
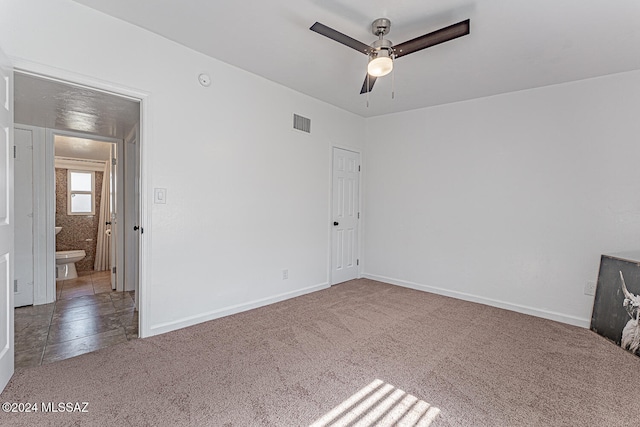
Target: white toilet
(66, 263)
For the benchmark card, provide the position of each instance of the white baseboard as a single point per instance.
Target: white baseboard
(545, 314)
(227, 311)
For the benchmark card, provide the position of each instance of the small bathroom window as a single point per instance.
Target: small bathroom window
(80, 193)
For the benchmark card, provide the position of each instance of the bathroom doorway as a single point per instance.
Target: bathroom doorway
(86, 196)
(92, 310)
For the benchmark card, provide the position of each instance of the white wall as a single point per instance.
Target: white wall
(507, 200)
(246, 195)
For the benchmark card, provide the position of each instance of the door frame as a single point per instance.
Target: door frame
(144, 98)
(361, 210)
(131, 215)
(49, 288)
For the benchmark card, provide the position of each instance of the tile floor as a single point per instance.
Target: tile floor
(86, 316)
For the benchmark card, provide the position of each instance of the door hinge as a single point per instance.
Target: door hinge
(358, 215)
(358, 168)
(113, 270)
(15, 148)
(114, 161)
(357, 262)
(15, 281)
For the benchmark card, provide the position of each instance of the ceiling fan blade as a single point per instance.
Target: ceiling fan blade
(371, 80)
(436, 37)
(340, 38)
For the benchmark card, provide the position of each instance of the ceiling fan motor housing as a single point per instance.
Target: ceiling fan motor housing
(381, 46)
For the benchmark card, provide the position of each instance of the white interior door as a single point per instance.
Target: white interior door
(23, 214)
(6, 221)
(346, 214)
(132, 212)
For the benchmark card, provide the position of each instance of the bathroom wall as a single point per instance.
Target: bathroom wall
(78, 231)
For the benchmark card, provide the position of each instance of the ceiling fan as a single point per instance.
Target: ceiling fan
(382, 52)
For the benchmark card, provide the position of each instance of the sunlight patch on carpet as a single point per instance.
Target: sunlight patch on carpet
(379, 404)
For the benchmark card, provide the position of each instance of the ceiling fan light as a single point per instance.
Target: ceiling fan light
(380, 66)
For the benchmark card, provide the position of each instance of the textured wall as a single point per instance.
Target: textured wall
(78, 231)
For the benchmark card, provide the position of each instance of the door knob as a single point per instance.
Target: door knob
(107, 223)
(135, 228)
(336, 223)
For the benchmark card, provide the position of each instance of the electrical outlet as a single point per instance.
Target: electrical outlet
(285, 274)
(590, 288)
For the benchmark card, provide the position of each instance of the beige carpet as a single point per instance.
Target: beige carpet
(360, 353)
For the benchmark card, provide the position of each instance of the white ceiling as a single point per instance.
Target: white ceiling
(513, 45)
(58, 105)
(81, 148)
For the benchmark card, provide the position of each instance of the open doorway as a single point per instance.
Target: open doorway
(85, 213)
(77, 295)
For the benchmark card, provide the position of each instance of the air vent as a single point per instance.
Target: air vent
(302, 123)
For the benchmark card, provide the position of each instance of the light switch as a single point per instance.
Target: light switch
(160, 195)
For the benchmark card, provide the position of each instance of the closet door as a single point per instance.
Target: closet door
(23, 214)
